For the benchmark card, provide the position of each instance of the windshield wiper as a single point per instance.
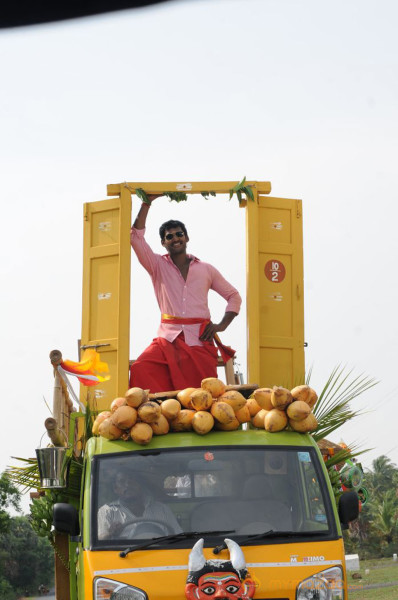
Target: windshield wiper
(267, 534)
(172, 538)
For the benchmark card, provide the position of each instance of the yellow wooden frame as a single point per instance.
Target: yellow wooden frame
(121, 200)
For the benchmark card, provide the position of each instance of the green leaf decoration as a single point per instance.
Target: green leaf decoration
(176, 196)
(207, 194)
(240, 188)
(239, 185)
(142, 195)
(249, 192)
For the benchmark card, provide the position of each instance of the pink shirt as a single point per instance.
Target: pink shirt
(182, 298)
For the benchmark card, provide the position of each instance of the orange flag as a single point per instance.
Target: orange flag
(90, 370)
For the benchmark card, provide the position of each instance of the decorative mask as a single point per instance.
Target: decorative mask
(222, 579)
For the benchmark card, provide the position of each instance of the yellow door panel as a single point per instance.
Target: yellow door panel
(275, 365)
(275, 283)
(275, 292)
(104, 301)
(106, 291)
(274, 224)
(105, 227)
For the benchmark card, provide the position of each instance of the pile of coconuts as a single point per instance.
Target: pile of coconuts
(212, 406)
(280, 408)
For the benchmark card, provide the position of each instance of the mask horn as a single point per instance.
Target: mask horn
(236, 555)
(196, 558)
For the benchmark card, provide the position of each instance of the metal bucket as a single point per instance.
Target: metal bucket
(53, 466)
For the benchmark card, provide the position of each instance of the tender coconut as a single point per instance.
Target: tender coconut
(201, 399)
(232, 426)
(141, 433)
(263, 398)
(184, 396)
(183, 421)
(161, 426)
(258, 419)
(149, 412)
(308, 424)
(105, 414)
(222, 412)
(109, 431)
(202, 422)
(253, 406)
(215, 386)
(313, 397)
(306, 394)
(243, 415)
(275, 420)
(234, 398)
(124, 417)
(170, 408)
(136, 396)
(298, 410)
(281, 397)
(117, 402)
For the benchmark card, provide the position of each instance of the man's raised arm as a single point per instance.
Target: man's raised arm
(143, 251)
(140, 220)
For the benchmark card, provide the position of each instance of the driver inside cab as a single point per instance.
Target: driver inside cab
(135, 512)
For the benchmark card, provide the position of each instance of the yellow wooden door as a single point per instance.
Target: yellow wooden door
(106, 291)
(275, 303)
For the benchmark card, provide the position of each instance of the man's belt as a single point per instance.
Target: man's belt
(226, 351)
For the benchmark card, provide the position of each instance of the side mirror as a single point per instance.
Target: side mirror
(66, 518)
(348, 508)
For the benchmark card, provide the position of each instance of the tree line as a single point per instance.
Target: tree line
(26, 560)
(375, 533)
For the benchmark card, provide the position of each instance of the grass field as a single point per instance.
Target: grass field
(382, 571)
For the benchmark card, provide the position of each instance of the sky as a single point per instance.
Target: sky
(301, 94)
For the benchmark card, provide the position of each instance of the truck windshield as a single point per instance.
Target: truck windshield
(139, 496)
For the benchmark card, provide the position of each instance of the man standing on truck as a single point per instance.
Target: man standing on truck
(184, 352)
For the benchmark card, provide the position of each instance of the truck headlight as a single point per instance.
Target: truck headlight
(106, 589)
(326, 585)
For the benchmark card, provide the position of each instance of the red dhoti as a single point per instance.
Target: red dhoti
(166, 366)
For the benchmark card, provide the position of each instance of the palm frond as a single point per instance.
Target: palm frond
(25, 477)
(308, 375)
(333, 420)
(333, 409)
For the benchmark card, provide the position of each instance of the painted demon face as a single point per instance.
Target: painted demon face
(221, 585)
(225, 580)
